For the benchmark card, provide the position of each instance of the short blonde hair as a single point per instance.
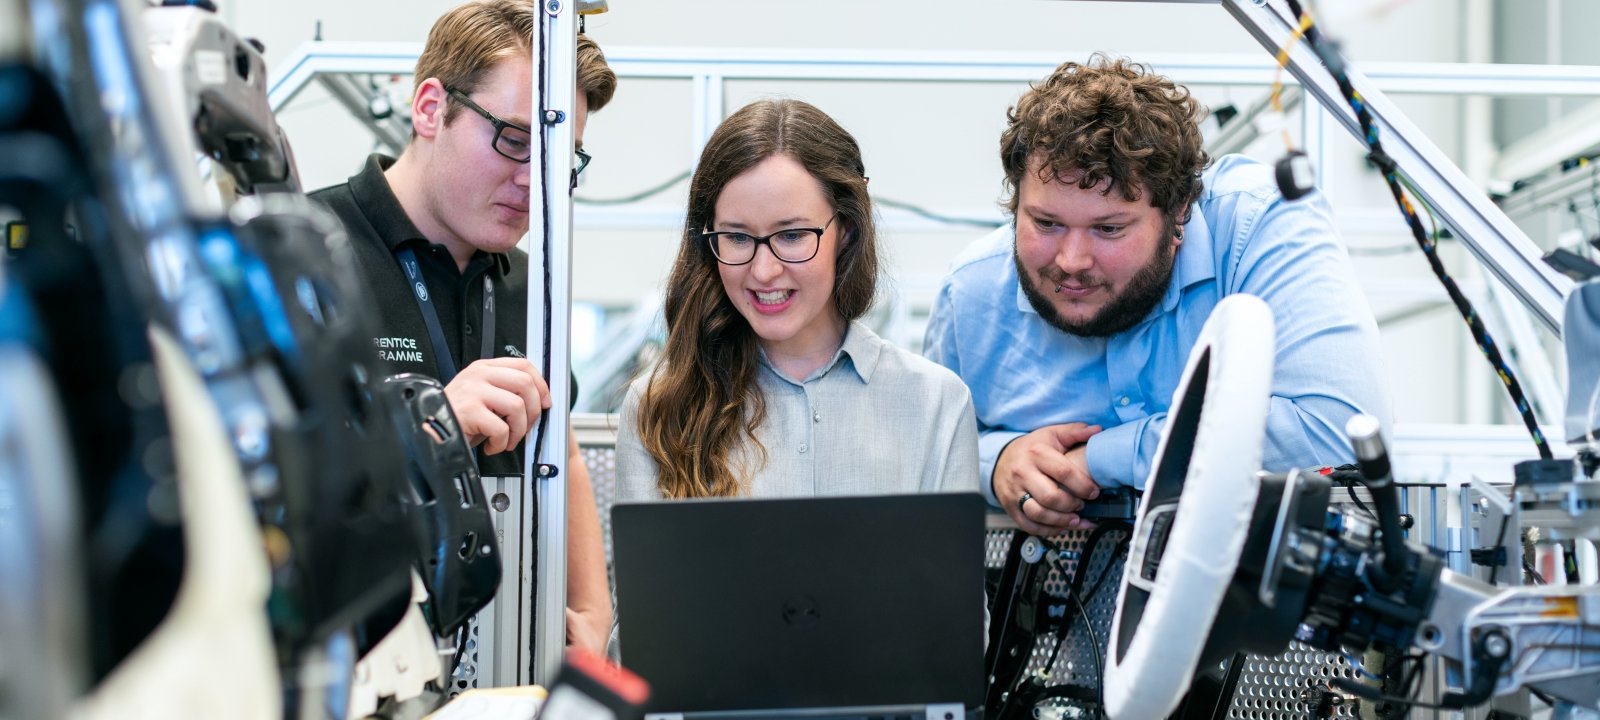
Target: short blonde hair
(466, 43)
(595, 79)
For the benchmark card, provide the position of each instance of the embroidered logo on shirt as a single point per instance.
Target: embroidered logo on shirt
(414, 273)
(398, 349)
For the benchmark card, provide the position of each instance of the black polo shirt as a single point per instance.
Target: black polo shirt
(378, 227)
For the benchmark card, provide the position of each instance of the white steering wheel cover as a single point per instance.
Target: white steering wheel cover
(1212, 521)
(212, 656)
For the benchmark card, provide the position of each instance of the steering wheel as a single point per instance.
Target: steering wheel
(1193, 523)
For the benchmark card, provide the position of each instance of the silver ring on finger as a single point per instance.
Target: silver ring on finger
(1022, 501)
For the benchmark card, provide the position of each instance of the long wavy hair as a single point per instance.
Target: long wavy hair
(702, 404)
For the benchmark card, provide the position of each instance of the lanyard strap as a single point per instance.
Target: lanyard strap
(430, 317)
(486, 343)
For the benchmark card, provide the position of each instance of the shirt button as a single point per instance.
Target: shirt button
(1124, 401)
(469, 332)
(802, 447)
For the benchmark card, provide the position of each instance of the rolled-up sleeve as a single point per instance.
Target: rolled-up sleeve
(1122, 455)
(1328, 360)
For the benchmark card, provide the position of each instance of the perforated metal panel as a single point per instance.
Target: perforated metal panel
(465, 676)
(1290, 686)
(602, 464)
(1082, 650)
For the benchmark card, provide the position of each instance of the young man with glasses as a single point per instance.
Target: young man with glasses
(435, 234)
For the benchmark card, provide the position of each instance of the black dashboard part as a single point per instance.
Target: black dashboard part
(450, 519)
(69, 302)
(286, 275)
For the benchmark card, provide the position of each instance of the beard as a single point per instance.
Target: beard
(1124, 310)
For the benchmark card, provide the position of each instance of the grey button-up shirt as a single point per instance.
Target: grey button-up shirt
(877, 420)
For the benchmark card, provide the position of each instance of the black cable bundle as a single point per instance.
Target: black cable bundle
(1330, 58)
(544, 242)
(537, 446)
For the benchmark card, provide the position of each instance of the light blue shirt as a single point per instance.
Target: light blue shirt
(1242, 237)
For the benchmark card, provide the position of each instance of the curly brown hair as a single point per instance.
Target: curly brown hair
(1110, 119)
(701, 403)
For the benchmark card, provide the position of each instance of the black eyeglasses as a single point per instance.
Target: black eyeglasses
(794, 245)
(578, 165)
(511, 140)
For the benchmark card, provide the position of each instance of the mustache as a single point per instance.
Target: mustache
(1054, 276)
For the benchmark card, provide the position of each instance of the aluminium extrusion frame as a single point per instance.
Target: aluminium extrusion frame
(393, 132)
(1566, 137)
(1497, 242)
(1243, 130)
(709, 69)
(550, 220)
(1552, 193)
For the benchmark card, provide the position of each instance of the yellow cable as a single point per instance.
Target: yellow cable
(1277, 76)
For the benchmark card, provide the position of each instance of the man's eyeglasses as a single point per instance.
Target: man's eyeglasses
(513, 141)
(580, 162)
(794, 245)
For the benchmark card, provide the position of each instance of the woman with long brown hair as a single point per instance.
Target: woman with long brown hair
(767, 386)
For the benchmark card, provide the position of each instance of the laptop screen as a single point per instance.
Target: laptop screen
(778, 604)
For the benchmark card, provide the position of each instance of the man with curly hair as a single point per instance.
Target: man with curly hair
(1072, 324)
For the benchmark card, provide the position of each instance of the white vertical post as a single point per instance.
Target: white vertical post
(707, 109)
(543, 633)
(1314, 142)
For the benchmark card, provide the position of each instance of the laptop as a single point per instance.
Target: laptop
(815, 607)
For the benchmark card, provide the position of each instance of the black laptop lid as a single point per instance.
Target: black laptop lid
(799, 603)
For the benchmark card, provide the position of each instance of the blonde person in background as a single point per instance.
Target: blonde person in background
(768, 386)
(451, 209)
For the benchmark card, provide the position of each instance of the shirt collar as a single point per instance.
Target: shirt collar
(1194, 264)
(864, 348)
(1196, 261)
(378, 202)
(861, 346)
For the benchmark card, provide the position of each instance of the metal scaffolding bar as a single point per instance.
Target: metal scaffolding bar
(1243, 129)
(550, 219)
(1553, 193)
(1575, 134)
(1497, 242)
(355, 99)
(1499, 80)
